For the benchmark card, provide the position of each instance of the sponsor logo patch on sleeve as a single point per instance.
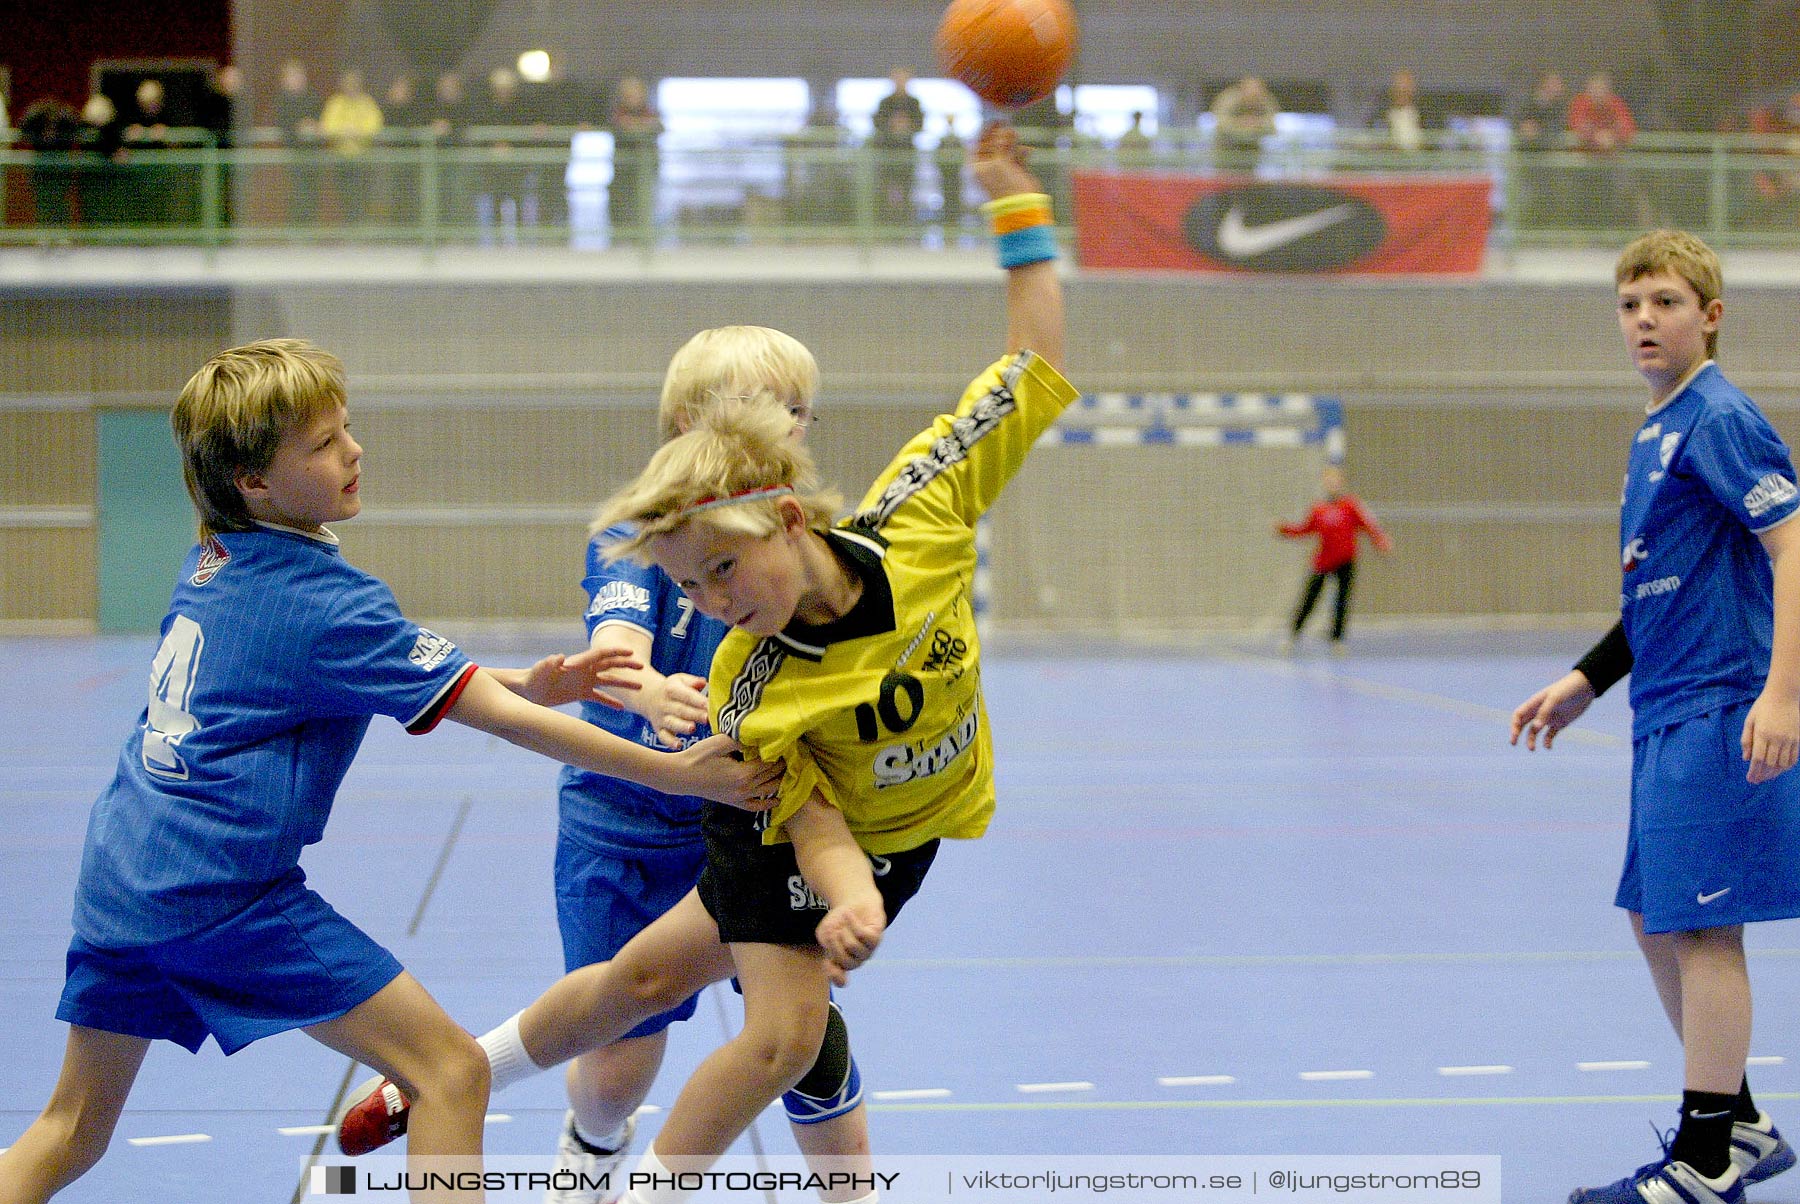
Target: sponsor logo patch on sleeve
(620, 595)
(1772, 491)
(213, 557)
(430, 649)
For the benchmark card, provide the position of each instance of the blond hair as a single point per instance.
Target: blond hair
(737, 446)
(234, 412)
(1676, 253)
(734, 361)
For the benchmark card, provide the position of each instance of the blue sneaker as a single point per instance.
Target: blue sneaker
(1759, 1152)
(1665, 1182)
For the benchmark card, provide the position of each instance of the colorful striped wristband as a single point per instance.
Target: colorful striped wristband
(1034, 244)
(1024, 230)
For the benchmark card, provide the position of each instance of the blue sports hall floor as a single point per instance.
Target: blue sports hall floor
(1233, 903)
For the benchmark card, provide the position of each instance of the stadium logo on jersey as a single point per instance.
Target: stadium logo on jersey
(898, 764)
(1773, 490)
(1284, 227)
(619, 595)
(760, 668)
(965, 432)
(430, 649)
(1635, 554)
(213, 557)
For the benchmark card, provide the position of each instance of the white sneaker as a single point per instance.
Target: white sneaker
(585, 1177)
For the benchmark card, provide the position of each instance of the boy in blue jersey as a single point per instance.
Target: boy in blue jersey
(625, 853)
(192, 917)
(1709, 631)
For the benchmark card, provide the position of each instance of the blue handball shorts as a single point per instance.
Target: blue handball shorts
(607, 895)
(1707, 849)
(286, 961)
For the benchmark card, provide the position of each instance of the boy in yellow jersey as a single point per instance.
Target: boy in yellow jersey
(854, 660)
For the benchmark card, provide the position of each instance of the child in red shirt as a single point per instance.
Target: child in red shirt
(1336, 520)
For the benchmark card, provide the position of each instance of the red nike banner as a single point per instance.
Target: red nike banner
(1435, 225)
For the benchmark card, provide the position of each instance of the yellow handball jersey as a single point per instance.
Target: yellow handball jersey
(881, 711)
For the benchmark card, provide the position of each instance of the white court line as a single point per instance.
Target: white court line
(648, 1110)
(497, 1118)
(306, 1130)
(1196, 1080)
(1035, 1088)
(914, 1093)
(172, 1139)
(1334, 1076)
(1631, 1065)
(1463, 1071)
(1765, 1061)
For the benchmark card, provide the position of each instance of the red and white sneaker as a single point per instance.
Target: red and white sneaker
(375, 1115)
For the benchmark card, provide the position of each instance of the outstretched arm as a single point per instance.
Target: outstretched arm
(711, 769)
(1034, 300)
(608, 667)
(674, 703)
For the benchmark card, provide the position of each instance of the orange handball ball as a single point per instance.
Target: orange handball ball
(1009, 52)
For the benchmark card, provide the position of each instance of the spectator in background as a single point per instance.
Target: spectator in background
(157, 194)
(297, 108)
(506, 193)
(1601, 124)
(349, 123)
(899, 100)
(101, 185)
(1398, 115)
(949, 156)
(636, 164)
(1778, 187)
(1134, 145)
(217, 115)
(449, 114)
(898, 119)
(1541, 125)
(51, 129)
(1245, 114)
(403, 124)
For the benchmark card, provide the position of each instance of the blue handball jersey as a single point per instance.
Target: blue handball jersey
(275, 654)
(611, 812)
(1707, 475)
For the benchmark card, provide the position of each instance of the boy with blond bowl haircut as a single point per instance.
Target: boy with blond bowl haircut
(1710, 633)
(192, 917)
(854, 658)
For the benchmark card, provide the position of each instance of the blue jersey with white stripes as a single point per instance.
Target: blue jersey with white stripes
(610, 812)
(1707, 474)
(274, 656)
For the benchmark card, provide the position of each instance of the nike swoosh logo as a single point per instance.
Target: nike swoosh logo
(1704, 899)
(1244, 242)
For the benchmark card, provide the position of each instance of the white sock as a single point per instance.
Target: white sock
(648, 1193)
(614, 1140)
(506, 1054)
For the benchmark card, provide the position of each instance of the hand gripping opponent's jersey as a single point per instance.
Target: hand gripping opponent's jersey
(1707, 475)
(881, 711)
